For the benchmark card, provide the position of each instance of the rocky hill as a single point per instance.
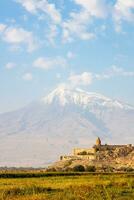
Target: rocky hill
(116, 159)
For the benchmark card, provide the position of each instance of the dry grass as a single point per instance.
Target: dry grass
(73, 187)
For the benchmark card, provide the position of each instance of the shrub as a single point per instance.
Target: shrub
(51, 169)
(90, 169)
(129, 169)
(126, 169)
(79, 168)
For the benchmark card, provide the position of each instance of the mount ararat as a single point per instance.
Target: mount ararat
(39, 133)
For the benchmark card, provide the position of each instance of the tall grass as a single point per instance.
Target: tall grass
(75, 186)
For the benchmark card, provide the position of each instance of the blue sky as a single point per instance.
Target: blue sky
(79, 43)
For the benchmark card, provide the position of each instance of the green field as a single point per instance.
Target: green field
(66, 186)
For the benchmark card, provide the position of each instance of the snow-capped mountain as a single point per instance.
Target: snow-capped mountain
(65, 118)
(64, 96)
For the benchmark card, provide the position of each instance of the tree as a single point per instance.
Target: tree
(79, 168)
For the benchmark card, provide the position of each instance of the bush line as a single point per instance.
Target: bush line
(51, 174)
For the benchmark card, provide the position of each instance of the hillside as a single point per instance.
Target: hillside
(117, 159)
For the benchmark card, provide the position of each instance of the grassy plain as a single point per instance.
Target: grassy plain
(66, 186)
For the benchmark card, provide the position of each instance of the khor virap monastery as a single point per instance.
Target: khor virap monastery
(99, 151)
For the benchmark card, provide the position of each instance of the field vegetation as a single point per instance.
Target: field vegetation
(66, 186)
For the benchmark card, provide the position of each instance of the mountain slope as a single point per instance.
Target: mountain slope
(40, 132)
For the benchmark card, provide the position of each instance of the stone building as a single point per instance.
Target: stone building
(97, 151)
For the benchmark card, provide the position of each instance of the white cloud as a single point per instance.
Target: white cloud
(121, 72)
(43, 6)
(79, 23)
(27, 77)
(123, 11)
(95, 8)
(77, 26)
(10, 65)
(29, 5)
(113, 72)
(87, 78)
(18, 36)
(52, 33)
(49, 63)
(2, 27)
(76, 80)
(46, 11)
(81, 79)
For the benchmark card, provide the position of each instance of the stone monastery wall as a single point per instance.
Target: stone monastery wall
(78, 151)
(92, 153)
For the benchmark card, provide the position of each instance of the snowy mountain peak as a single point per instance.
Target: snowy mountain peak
(65, 96)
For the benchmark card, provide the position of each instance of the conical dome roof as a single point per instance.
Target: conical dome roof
(98, 141)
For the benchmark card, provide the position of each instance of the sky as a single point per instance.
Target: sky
(86, 44)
